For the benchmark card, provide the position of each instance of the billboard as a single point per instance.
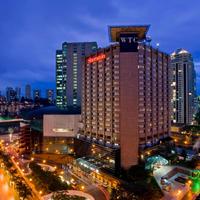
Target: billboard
(97, 58)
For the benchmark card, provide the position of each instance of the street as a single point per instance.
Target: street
(6, 190)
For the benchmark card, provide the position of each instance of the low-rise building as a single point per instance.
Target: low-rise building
(185, 136)
(50, 130)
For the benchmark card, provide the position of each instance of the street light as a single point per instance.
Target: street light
(82, 187)
(71, 180)
(5, 187)
(179, 192)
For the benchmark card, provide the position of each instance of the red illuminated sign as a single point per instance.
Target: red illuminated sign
(96, 58)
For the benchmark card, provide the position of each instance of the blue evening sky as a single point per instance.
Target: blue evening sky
(31, 31)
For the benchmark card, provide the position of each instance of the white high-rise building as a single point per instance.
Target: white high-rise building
(183, 87)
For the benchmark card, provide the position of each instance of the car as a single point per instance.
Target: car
(163, 181)
(167, 188)
(73, 182)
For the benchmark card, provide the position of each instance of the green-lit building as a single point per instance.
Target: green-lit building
(69, 62)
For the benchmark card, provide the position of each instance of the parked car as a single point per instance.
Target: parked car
(167, 187)
(164, 181)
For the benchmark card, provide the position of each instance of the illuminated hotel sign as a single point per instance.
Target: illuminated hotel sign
(96, 58)
(128, 42)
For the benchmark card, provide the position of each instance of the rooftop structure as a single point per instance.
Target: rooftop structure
(140, 31)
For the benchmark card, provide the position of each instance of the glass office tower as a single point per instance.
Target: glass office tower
(69, 62)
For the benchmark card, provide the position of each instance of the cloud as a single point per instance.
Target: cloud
(197, 64)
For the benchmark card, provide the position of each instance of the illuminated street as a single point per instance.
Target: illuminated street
(84, 183)
(92, 188)
(6, 191)
(89, 187)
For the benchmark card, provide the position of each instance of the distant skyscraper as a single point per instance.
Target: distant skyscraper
(183, 87)
(36, 93)
(10, 94)
(18, 93)
(50, 95)
(28, 91)
(69, 62)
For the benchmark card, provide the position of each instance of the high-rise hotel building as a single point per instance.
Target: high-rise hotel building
(183, 87)
(125, 98)
(69, 63)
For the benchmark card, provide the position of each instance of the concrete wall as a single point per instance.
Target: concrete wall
(129, 109)
(60, 125)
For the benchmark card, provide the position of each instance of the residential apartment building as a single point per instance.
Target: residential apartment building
(183, 87)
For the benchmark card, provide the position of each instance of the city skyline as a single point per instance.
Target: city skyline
(28, 48)
(99, 100)
(23, 90)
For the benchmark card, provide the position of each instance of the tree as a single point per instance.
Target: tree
(120, 193)
(195, 178)
(23, 190)
(184, 154)
(48, 179)
(193, 163)
(65, 196)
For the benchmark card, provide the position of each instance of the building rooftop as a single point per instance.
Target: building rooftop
(5, 118)
(179, 52)
(115, 31)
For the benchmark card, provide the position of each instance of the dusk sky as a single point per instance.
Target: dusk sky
(32, 30)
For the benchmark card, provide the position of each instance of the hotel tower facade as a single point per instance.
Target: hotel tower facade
(125, 95)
